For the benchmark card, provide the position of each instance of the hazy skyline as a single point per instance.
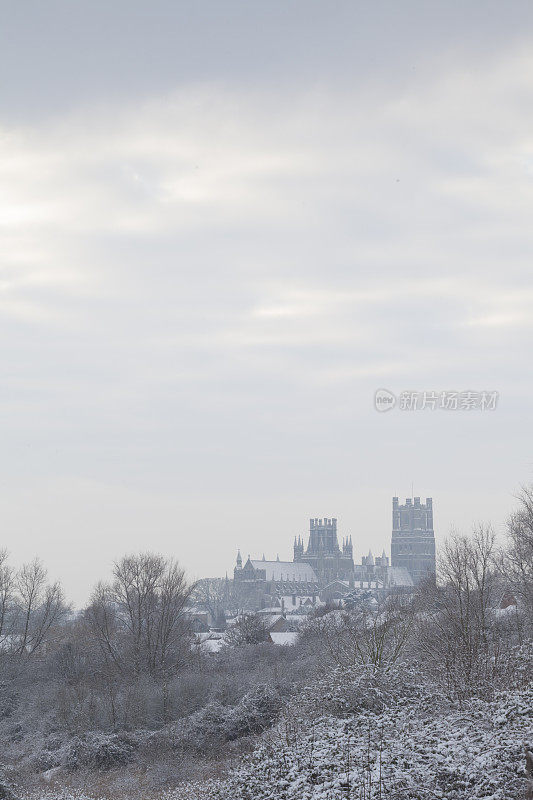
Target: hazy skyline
(224, 226)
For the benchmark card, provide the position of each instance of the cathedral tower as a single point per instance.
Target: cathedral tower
(323, 552)
(413, 538)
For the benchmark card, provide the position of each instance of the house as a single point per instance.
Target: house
(283, 638)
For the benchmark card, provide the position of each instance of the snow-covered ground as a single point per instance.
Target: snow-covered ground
(378, 738)
(416, 746)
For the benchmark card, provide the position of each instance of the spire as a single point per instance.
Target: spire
(264, 559)
(239, 559)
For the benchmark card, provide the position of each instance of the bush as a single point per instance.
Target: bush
(216, 724)
(8, 701)
(345, 690)
(415, 748)
(99, 751)
(257, 711)
(44, 760)
(6, 789)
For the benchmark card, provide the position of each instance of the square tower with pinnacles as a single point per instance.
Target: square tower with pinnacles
(413, 538)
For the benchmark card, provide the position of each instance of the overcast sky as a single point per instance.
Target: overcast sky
(223, 226)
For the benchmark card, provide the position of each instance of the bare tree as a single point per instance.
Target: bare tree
(457, 633)
(139, 619)
(517, 560)
(467, 571)
(7, 597)
(103, 622)
(212, 595)
(38, 606)
(249, 629)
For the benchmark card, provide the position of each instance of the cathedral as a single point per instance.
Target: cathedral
(324, 568)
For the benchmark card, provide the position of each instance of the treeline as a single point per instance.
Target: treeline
(30, 608)
(128, 661)
(134, 624)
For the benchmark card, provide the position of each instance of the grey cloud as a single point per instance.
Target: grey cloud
(212, 258)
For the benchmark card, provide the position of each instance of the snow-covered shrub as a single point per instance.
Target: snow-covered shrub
(99, 751)
(16, 732)
(53, 742)
(7, 791)
(44, 760)
(410, 750)
(8, 701)
(349, 690)
(216, 724)
(206, 728)
(188, 693)
(256, 712)
(519, 663)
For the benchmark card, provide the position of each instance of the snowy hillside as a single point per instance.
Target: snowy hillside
(411, 744)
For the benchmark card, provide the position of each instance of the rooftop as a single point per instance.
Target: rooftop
(286, 570)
